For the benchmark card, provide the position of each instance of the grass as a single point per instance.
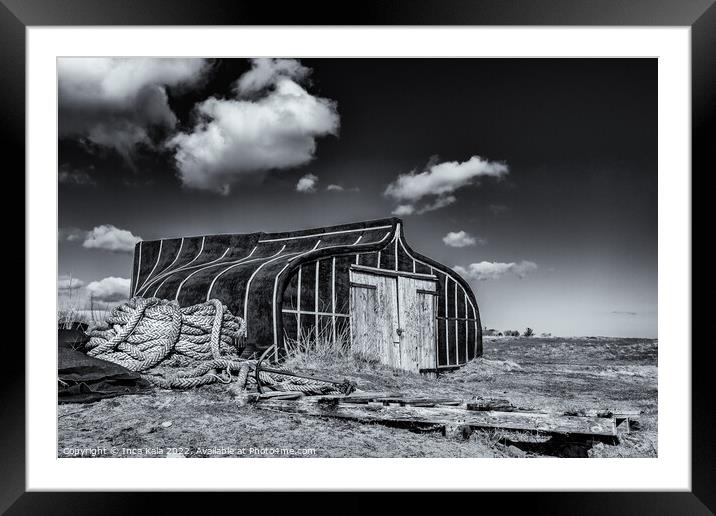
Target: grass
(318, 350)
(316, 346)
(569, 374)
(73, 308)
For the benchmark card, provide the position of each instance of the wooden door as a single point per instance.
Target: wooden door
(416, 309)
(374, 317)
(393, 320)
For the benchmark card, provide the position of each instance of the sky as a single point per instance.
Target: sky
(535, 178)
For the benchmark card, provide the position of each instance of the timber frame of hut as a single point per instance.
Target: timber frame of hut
(360, 282)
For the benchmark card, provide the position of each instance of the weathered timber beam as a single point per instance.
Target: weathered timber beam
(484, 405)
(448, 417)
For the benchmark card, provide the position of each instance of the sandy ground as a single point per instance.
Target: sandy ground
(569, 374)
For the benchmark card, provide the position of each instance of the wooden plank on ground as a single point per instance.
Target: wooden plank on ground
(421, 418)
(611, 413)
(386, 399)
(480, 404)
(282, 395)
(491, 404)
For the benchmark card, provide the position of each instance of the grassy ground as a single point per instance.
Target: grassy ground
(570, 374)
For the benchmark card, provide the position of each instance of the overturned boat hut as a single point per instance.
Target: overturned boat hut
(358, 282)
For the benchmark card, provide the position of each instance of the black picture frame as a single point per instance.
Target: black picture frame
(700, 15)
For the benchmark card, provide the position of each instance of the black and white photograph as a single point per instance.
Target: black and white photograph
(357, 257)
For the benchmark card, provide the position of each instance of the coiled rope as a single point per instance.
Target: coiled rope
(181, 348)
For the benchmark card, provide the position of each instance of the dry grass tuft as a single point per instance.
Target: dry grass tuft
(316, 347)
(320, 349)
(72, 308)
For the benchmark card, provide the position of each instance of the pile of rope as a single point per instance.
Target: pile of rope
(181, 348)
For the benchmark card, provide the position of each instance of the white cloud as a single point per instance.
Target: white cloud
(403, 210)
(66, 282)
(276, 129)
(441, 180)
(70, 234)
(495, 270)
(410, 209)
(109, 289)
(106, 236)
(340, 188)
(117, 103)
(307, 184)
(265, 72)
(438, 203)
(110, 238)
(461, 239)
(523, 268)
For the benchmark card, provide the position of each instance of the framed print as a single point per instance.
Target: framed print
(424, 247)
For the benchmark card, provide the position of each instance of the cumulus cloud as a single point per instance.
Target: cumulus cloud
(266, 72)
(70, 234)
(110, 238)
(523, 268)
(403, 210)
(340, 188)
(440, 181)
(495, 270)
(461, 239)
(106, 236)
(119, 103)
(440, 202)
(272, 123)
(307, 184)
(109, 289)
(66, 282)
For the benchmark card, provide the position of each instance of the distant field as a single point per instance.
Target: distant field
(566, 374)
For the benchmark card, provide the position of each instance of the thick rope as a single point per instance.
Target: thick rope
(243, 376)
(182, 348)
(156, 334)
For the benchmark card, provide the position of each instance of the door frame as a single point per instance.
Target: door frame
(435, 294)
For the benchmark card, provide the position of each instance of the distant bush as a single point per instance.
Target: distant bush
(529, 332)
(511, 333)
